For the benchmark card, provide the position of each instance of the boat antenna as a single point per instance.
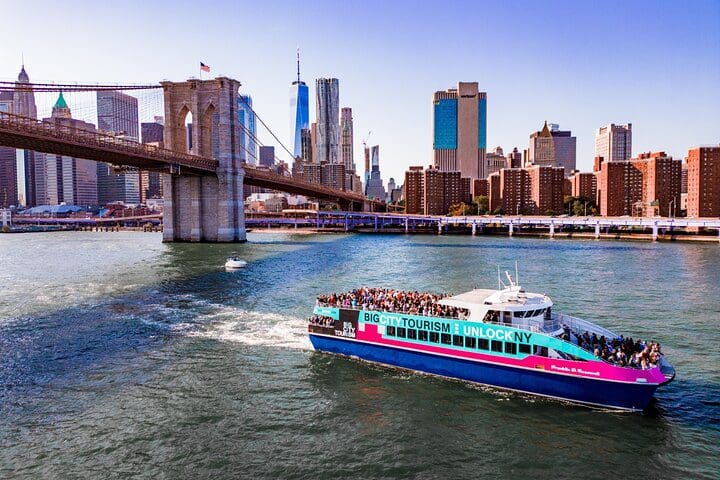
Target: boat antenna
(500, 284)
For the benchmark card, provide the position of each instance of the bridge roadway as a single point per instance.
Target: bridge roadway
(46, 136)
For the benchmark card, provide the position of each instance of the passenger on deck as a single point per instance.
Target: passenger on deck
(621, 351)
(391, 300)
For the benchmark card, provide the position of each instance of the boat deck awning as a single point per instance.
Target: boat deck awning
(469, 299)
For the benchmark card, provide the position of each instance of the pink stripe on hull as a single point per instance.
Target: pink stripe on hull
(587, 369)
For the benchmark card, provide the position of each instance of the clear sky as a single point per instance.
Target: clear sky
(581, 64)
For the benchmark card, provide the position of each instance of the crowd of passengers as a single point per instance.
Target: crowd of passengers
(321, 321)
(390, 300)
(621, 351)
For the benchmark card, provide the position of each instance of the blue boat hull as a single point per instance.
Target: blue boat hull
(598, 393)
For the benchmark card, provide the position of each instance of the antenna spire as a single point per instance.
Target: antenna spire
(298, 64)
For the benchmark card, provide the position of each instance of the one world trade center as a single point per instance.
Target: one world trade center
(299, 116)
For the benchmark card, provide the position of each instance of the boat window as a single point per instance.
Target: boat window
(401, 332)
(470, 342)
(524, 348)
(492, 316)
(541, 351)
(518, 314)
(457, 340)
(412, 333)
(390, 331)
(445, 338)
(511, 347)
(496, 346)
(548, 314)
(423, 335)
(434, 337)
(483, 344)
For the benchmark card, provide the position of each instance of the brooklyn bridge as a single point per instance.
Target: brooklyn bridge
(203, 183)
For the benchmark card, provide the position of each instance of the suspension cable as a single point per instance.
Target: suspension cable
(267, 128)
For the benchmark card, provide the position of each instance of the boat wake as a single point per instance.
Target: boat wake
(230, 324)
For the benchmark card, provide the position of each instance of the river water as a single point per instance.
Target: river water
(121, 356)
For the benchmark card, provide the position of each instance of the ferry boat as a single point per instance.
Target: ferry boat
(505, 338)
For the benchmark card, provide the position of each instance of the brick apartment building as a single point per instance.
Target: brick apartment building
(703, 182)
(583, 184)
(432, 191)
(648, 185)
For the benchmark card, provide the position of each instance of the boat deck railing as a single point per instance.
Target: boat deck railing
(558, 320)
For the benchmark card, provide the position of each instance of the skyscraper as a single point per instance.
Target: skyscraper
(248, 129)
(150, 182)
(328, 123)
(66, 179)
(117, 115)
(267, 156)
(553, 148)
(614, 142)
(24, 104)
(299, 111)
(460, 130)
(8, 162)
(346, 128)
(374, 186)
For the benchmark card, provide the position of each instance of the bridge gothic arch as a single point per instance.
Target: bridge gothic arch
(204, 208)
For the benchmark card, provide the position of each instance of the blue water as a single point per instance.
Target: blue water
(121, 356)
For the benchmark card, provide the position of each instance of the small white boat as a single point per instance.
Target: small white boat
(235, 262)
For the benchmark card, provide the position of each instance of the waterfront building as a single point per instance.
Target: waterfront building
(494, 161)
(346, 122)
(648, 185)
(514, 159)
(333, 175)
(267, 156)
(299, 111)
(24, 104)
(306, 145)
(515, 191)
(661, 184)
(374, 186)
(66, 179)
(460, 130)
(150, 182)
(248, 130)
(703, 167)
(8, 162)
(614, 142)
(583, 185)
(390, 188)
(117, 115)
(441, 189)
(328, 121)
(346, 149)
(619, 189)
(312, 172)
(480, 187)
(414, 190)
(553, 147)
(547, 186)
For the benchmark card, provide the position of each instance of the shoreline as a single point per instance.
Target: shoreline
(633, 237)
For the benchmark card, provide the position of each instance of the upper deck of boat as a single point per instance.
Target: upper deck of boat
(511, 299)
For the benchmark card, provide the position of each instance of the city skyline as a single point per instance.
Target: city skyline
(582, 81)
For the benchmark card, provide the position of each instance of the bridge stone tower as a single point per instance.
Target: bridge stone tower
(208, 208)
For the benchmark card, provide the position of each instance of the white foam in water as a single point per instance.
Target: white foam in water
(256, 328)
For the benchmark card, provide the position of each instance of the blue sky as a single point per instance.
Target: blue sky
(580, 64)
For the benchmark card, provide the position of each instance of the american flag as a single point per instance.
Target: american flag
(204, 67)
